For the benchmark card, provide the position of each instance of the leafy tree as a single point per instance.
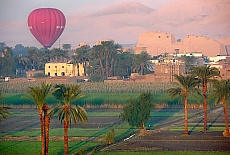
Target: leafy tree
(205, 74)
(7, 65)
(41, 59)
(39, 94)
(137, 112)
(19, 49)
(31, 55)
(140, 62)
(185, 86)
(124, 64)
(21, 65)
(67, 112)
(221, 92)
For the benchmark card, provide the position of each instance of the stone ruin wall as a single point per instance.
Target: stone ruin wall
(157, 43)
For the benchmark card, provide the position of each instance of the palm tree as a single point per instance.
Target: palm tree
(4, 112)
(3, 109)
(221, 92)
(82, 56)
(67, 112)
(96, 54)
(31, 55)
(189, 62)
(39, 94)
(58, 55)
(185, 86)
(205, 74)
(140, 61)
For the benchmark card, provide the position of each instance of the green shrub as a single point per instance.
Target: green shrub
(109, 137)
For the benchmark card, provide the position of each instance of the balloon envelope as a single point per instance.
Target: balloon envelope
(46, 25)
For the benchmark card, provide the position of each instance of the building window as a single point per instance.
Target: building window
(55, 66)
(55, 74)
(48, 66)
(167, 36)
(62, 66)
(159, 36)
(48, 74)
(62, 73)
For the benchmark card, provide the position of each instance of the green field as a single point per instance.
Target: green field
(19, 133)
(103, 100)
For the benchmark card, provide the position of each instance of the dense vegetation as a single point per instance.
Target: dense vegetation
(99, 94)
(102, 60)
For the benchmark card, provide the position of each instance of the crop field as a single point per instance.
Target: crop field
(20, 133)
(98, 87)
(99, 94)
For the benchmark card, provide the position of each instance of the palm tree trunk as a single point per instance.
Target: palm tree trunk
(46, 128)
(142, 69)
(186, 115)
(102, 68)
(65, 137)
(47, 133)
(226, 117)
(107, 65)
(42, 130)
(84, 66)
(111, 67)
(205, 106)
(143, 125)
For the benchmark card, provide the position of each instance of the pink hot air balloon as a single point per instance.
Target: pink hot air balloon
(46, 25)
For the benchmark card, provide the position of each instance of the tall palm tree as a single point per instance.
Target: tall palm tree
(31, 55)
(185, 86)
(205, 74)
(140, 62)
(39, 94)
(82, 56)
(96, 54)
(67, 112)
(221, 92)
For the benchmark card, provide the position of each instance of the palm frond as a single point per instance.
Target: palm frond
(4, 112)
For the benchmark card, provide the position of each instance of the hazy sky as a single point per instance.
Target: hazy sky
(13, 12)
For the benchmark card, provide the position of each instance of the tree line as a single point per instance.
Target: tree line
(101, 60)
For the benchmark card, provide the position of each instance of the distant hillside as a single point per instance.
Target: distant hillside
(134, 8)
(123, 23)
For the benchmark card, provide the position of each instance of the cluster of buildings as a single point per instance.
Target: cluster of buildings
(168, 60)
(169, 52)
